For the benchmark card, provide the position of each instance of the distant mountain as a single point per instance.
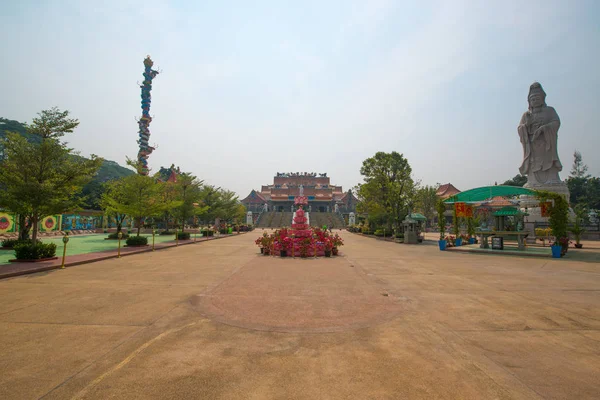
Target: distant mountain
(108, 171)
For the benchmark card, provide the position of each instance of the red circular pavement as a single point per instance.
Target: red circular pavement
(295, 295)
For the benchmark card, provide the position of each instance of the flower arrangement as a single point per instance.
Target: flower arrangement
(450, 240)
(543, 234)
(283, 240)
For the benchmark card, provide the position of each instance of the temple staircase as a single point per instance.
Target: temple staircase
(332, 220)
(274, 219)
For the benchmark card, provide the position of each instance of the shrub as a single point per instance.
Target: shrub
(400, 235)
(167, 232)
(224, 231)
(208, 233)
(34, 251)
(137, 241)
(378, 232)
(115, 235)
(183, 235)
(11, 243)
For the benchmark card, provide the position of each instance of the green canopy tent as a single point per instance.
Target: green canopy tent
(480, 194)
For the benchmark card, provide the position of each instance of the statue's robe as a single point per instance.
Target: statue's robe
(540, 155)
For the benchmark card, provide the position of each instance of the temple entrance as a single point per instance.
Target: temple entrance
(321, 208)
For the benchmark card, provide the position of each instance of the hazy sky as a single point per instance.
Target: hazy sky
(248, 89)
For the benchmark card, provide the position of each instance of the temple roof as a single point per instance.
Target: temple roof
(254, 197)
(172, 176)
(447, 190)
(499, 201)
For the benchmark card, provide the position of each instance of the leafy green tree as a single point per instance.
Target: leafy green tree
(240, 214)
(388, 187)
(221, 203)
(579, 169)
(92, 191)
(189, 193)
(426, 200)
(583, 188)
(517, 180)
(43, 177)
(138, 196)
(114, 195)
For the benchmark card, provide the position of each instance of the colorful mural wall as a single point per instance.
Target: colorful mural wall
(8, 223)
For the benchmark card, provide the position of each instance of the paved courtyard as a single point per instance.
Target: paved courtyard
(385, 321)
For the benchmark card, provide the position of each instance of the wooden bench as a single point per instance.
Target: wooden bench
(520, 236)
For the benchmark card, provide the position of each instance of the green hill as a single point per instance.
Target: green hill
(109, 170)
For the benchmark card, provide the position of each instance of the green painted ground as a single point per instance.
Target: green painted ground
(85, 244)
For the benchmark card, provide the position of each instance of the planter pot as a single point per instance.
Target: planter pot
(442, 244)
(334, 251)
(578, 245)
(327, 253)
(283, 253)
(267, 252)
(556, 251)
(458, 242)
(471, 240)
(262, 250)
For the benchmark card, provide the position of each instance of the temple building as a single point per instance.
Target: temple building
(447, 190)
(322, 195)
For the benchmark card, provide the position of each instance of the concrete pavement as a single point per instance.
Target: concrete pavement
(384, 321)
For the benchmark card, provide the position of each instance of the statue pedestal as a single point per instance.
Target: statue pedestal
(531, 204)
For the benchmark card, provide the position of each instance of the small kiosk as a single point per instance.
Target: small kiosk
(412, 228)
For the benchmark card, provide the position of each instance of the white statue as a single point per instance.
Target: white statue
(301, 190)
(336, 208)
(265, 207)
(538, 131)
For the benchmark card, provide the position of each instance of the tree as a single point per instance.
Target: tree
(43, 177)
(138, 196)
(582, 186)
(221, 203)
(240, 214)
(114, 195)
(517, 180)
(579, 169)
(189, 193)
(426, 200)
(388, 186)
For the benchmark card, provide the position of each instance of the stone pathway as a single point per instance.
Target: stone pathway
(384, 321)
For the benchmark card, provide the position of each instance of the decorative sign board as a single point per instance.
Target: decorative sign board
(497, 243)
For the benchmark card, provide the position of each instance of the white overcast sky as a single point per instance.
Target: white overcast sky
(248, 89)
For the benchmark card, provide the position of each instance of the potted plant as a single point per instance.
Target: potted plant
(556, 250)
(337, 242)
(285, 243)
(471, 230)
(305, 245)
(441, 208)
(450, 241)
(328, 247)
(577, 229)
(558, 219)
(259, 243)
